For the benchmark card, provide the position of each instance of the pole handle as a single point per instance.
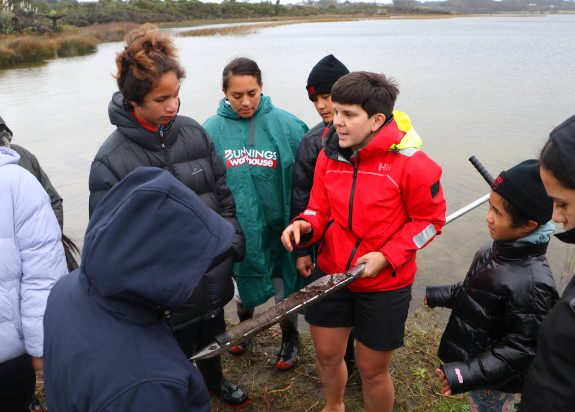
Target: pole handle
(481, 169)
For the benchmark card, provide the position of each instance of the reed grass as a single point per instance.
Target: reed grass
(35, 49)
(248, 29)
(242, 30)
(8, 57)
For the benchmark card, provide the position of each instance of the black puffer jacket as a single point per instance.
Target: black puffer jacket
(306, 157)
(185, 150)
(490, 339)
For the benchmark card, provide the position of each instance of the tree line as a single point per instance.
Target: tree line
(17, 16)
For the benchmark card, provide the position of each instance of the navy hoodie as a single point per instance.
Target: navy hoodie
(107, 346)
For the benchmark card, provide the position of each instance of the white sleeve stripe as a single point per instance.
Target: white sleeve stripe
(424, 236)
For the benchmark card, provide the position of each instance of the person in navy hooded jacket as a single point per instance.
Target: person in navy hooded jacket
(108, 346)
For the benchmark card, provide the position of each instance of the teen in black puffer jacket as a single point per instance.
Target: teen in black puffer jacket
(490, 339)
(151, 133)
(183, 148)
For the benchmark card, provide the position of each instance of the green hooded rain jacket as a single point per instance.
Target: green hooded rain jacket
(260, 155)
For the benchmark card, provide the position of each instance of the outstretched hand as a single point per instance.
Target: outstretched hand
(293, 233)
(445, 389)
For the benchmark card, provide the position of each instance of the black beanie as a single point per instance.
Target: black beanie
(522, 187)
(323, 76)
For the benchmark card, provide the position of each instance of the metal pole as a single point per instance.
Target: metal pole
(467, 208)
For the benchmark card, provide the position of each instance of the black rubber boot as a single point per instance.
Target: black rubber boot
(243, 314)
(230, 393)
(287, 357)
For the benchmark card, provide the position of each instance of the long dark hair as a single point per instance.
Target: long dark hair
(549, 159)
(71, 249)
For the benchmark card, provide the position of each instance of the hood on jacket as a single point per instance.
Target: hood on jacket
(5, 131)
(225, 109)
(148, 243)
(8, 156)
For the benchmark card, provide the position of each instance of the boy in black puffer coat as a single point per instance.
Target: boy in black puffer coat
(490, 339)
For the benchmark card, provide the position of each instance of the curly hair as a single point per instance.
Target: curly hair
(148, 55)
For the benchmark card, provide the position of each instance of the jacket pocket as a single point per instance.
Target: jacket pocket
(322, 241)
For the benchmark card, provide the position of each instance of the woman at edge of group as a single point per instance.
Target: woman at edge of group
(151, 133)
(550, 382)
(32, 259)
(259, 143)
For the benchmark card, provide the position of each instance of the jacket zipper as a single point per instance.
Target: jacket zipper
(323, 235)
(351, 195)
(355, 167)
(352, 254)
(165, 151)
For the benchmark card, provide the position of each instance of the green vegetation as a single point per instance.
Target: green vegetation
(16, 50)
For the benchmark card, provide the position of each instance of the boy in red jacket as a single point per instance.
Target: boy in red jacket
(376, 199)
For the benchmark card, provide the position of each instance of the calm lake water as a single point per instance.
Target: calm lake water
(493, 87)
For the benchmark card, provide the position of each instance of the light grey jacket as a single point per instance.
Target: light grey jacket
(31, 258)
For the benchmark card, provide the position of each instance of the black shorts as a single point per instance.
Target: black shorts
(377, 318)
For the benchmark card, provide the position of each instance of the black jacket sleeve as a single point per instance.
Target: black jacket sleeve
(101, 180)
(29, 162)
(442, 295)
(227, 203)
(302, 181)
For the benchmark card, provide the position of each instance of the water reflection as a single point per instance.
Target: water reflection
(493, 87)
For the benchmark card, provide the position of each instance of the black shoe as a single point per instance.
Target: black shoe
(232, 394)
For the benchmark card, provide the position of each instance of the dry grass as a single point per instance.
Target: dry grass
(35, 49)
(248, 29)
(413, 372)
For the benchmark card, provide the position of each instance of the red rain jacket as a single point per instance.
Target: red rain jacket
(387, 197)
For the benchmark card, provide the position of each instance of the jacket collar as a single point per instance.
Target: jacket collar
(516, 250)
(129, 126)
(225, 109)
(8, 156)
(567, 236)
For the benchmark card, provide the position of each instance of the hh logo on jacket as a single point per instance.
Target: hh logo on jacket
(252, 157)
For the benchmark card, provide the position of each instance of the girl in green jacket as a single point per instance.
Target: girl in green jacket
(259, 142)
